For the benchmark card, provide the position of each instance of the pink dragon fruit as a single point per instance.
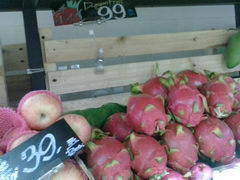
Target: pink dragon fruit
(200, 171)
(214, 76)
(118, 126)
(168, 175)
(146, 114)
(109, 159)
(152, 87)
(193, 79)
(236, 104)
(233, 122)
(181, 147)
(173, 175)
(187, 105)
(149, 157)
(216, 140)
(220, 98)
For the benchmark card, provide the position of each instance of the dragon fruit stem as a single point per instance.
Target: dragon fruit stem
(136, 88)
(91, 145)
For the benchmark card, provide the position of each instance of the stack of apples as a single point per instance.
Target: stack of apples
(36, 111)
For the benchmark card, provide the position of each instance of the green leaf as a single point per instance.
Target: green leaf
(112, 163)
(148, 107)
(181, 113)
(159, 159)
(119, 178)
(149, 170)
(179, 130)
(177, 119)
(217, 131)
(196, 108)
(172, 150)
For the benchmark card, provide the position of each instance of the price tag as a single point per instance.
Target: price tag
(72, 11)
(40, 154)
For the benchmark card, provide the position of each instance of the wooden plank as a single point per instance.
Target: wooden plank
(15, 57)
(3, 89)
(69, 81)
(82, 49)
(46, 34)
(95, 102)
(18, 86)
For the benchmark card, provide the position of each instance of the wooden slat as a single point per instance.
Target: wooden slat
(62, 82)
(3, 89)
(81, 49)
(15, 57)
(18, 86)
(95, 102)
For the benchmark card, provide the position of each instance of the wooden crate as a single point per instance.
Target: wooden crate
(67, 82)
(15, 64)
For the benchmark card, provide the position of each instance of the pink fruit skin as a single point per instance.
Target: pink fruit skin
(215, 140)
(80, 126)
(233, 122)
(181, 146)
(173, 175)
(201, 171)
(10, 119)
(150, 157)
(12, 133)
(40, 109)
(109, 159)
(146, 114)
(220, 98)
(186, 104)
(117, 125)
(154, 87)
(194, 79)
(21, 138)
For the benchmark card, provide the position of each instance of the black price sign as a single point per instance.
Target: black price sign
(108, 9)
(37, 156)
(73, 11)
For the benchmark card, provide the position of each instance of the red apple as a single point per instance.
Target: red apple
(40, 109)
(79, 125)
(24, 136)
(70, 171)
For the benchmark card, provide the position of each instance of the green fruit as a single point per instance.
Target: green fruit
(232, 53)
(97, 117)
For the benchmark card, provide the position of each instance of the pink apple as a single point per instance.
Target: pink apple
(79, 125)
(24, 136)
(40, 109)
(70, 171)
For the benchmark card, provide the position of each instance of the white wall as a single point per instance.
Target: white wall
(150, 20)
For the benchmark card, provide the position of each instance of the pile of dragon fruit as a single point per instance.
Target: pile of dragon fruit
(174, 124)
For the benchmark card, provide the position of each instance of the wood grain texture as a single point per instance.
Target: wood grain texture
(15, 57)
(62, 82)
(3, 88)
(18, 86)
(82, 49)
(95, 102)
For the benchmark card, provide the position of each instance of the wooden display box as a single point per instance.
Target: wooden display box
(70, 81)
(76, 81)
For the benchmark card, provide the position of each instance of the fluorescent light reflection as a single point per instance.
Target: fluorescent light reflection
(230, 172)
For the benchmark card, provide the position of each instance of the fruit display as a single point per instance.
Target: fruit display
(173, 127)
